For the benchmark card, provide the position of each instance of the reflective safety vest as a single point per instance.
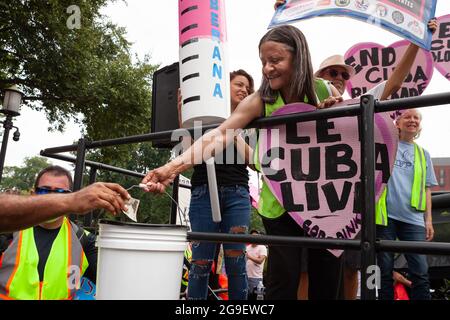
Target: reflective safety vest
(188, 256)
(268, 205)
(66, 263)
(418, 191)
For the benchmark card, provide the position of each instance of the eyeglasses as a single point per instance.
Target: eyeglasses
(334, 73)
(40, 190)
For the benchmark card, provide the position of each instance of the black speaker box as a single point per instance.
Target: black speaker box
(166, 82)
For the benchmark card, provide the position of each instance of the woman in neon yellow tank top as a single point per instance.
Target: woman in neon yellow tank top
(287, 78)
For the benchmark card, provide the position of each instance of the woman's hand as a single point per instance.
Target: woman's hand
(433, 25)
(329, 102)
(429, 230)
(279, 3)
(158, 179)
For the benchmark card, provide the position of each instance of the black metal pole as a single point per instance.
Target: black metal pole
(97, 165)
(174, 207)
(423, 247)
(420, 247)
(368, 267)
(7, 125)
(307, 242)
(343, 111)
(79, 165)
(79, 168)
(88, 218)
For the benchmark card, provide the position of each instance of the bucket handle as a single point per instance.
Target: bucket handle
(181, 213)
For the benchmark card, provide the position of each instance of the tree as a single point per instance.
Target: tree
(73, 63)
(22, 178)
(86, 73)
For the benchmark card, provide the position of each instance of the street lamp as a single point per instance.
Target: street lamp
(11, 104)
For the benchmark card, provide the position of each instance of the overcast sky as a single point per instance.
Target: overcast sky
(152, 26)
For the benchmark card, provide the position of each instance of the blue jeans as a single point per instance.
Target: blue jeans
(235, 211)
(417, 263)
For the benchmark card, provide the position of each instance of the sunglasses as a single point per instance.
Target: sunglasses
(334, 73)
(40, 190)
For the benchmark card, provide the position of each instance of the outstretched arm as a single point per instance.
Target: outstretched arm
(21, 212)
(204, 148)
(403, 68)
(244, 150)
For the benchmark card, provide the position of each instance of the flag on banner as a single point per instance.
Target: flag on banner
(406, 18)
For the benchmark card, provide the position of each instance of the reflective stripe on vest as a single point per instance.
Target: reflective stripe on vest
(19, 276)
(418, 191)
(188, 256)
(268, 205)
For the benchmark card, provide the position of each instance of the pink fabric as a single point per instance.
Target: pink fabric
(201, 17)
(254, 195)
(441, 47)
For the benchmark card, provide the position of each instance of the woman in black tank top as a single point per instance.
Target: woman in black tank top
(232, 183)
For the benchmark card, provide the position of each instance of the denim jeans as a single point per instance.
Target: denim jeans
(417, 263)
(235, 212)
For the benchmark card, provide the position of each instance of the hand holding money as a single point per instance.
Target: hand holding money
(133, 204)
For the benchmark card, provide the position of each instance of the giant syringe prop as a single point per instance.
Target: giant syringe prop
(204, 77)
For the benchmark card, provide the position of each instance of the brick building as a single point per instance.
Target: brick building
(442, 171)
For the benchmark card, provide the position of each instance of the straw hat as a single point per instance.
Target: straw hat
(336, 60)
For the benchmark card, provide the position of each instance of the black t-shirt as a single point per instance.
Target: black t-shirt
(44, 239)
(231, 172)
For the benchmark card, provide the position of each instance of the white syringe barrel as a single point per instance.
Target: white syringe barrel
(204, 75)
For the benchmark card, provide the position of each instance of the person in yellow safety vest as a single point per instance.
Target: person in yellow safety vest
(46, 262)
(404, 208)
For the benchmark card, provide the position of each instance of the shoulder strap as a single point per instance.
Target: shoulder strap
(81, 234)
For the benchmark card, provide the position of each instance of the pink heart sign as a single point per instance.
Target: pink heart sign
(374, 64)
(313, 169)
(440, 46)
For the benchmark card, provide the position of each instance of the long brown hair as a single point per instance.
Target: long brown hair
(302, 82)
(244, 73)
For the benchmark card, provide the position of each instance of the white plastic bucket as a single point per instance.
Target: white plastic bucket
(139, 261)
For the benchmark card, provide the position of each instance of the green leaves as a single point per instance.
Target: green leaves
(22, 178)
(85, 74)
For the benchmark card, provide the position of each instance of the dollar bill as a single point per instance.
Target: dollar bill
(133, 205)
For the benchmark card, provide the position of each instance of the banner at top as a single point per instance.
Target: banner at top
(406, 18)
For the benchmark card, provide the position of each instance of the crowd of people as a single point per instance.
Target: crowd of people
(42, 242)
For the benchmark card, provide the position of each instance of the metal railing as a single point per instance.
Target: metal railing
(368, 243)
